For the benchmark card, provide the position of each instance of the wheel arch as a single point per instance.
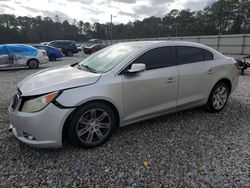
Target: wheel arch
(70, 116)
(226, 81)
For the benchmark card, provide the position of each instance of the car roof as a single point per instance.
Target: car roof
(152, 44)
(167, 43)
(18, 46)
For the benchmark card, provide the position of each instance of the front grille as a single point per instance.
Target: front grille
(15, 100)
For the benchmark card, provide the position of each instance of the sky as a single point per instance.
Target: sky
(92, 11)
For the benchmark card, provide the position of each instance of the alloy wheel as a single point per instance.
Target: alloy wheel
(220, 97)
(93, 126)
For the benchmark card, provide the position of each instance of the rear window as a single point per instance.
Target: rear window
(188, 54)
(207, 55)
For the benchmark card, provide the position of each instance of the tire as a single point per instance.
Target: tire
(85, 131)
(52, 58)
(218, 97)
(33, 64)
(69, 53)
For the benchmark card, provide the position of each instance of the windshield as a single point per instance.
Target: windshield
(108, 58)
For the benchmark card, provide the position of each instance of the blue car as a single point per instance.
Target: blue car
(21, 55)
(52, 52)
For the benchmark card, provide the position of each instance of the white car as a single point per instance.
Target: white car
(119, 85)
(21, 55)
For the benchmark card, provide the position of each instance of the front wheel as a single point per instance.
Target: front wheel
(218, 97)
(33, 64)
(92, 125)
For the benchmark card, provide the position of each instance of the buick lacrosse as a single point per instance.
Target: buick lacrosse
(117, 86)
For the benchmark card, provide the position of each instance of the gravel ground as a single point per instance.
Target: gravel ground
(187, 149)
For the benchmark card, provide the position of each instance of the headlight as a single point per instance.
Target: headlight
(38, 103)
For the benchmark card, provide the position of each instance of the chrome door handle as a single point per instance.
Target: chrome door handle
(171, 80)
(210, 71)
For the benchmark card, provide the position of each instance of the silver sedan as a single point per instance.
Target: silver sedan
(117, 86)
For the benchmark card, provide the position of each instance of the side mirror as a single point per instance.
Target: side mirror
(137, 67)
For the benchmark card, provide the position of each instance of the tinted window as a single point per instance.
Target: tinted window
(207, 55)
(188, 54)
(40, 47)
(157, 58)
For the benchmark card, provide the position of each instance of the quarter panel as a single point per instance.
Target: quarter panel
(225, 68)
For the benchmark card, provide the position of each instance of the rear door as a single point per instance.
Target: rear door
(153, 91)
(195, 75)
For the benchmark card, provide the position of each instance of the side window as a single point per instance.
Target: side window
(188, 54)
(157, 58)
(53, 43)
(67, 43)
(207, 55)
(17, 49)
(41, 47)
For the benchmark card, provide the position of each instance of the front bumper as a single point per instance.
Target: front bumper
(39, 129)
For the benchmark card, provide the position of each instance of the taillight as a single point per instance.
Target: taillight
(44, 53)
(238, 63)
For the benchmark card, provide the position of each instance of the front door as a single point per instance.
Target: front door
(154, 90)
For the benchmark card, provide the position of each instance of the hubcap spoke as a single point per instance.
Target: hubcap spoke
(222, 90)
(102, 116)
(83, 121)
(90, 136)
(104, 125)
(93, 114)
(83, 131)
(99, 134)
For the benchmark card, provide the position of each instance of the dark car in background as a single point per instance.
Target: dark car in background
(93, 48)
(80, 47)
(68, 47)
(52, 52)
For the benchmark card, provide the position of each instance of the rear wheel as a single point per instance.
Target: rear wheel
(92, 125)
(218, 97)
(69, 53)
(33, 64)
(52, 58)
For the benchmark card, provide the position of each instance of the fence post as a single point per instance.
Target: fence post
(243, 44)
(218, 42)
(198, 39)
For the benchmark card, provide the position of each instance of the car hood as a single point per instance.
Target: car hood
(54, 79)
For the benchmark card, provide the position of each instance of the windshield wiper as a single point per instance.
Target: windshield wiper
(87, 67)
